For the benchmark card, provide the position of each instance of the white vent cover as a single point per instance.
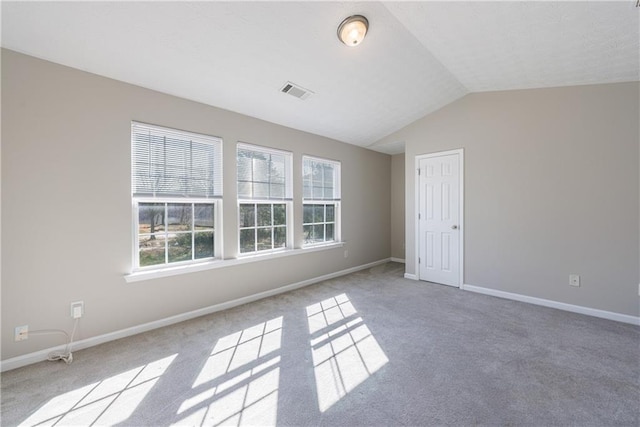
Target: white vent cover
(295, 90)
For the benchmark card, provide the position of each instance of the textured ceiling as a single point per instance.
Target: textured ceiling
(417, 57)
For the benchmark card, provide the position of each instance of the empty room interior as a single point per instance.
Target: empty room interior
(320, 213)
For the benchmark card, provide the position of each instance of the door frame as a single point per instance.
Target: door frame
(461, 227)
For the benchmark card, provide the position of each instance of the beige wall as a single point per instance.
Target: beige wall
(397, 206)
(551, 188)
(66, 204)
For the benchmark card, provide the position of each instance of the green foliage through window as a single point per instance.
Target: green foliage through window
(319, 223)
(175, 232)
(263, 226)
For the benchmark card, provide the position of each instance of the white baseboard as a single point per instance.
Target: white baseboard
(625, 318)
(397, 260)
(410, 276)
(39, 356)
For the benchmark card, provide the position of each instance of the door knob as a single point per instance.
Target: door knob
(454, 227)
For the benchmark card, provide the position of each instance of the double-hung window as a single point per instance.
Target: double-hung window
(321, 201)
(176, 194)
(264, 199)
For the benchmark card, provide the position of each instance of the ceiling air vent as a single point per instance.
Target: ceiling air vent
(295, 90)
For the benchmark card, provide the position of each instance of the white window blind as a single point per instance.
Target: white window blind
(264, 173)
(172, 163)
(321, 179)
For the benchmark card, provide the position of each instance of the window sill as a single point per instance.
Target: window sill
(139, 276)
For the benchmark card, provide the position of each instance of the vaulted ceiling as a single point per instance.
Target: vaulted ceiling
(416, 58)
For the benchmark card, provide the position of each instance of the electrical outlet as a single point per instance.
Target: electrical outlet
(77, 309)
(574, 280)
(346, 253)
(22, 333)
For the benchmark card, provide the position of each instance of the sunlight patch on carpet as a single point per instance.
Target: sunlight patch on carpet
(345, 352)
(106, 402)
(238, 384)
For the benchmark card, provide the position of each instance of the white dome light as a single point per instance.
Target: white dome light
(352, 30)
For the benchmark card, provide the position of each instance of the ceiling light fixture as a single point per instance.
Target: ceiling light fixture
(352, 30)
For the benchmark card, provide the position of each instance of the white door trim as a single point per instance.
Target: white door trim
(460, 152)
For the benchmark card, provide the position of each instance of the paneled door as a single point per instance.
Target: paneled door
(439, 219)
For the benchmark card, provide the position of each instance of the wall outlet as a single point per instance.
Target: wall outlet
(574, 280)
(22, 333)
(77, 309)
(346, 253)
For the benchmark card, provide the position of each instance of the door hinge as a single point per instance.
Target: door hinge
(418, 171)
(419, 215)
(419, 260)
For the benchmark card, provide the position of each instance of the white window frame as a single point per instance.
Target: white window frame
(287, 200)
(335, 201)
(215, 201)
(288, 237)
(335, 222)
(217, 234)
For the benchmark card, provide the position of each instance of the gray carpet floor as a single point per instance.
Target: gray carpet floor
(370, 348)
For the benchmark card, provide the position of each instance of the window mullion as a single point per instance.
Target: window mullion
(166, 233)
(193, 231)
(255, 227)
(273, 234)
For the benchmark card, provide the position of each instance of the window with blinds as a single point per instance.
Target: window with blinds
(263, 173)
(320, 179)
(264, 198)
(321, 200)
(172, 163)
(176, 185)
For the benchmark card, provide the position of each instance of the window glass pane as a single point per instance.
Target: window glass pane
(247, 240)
(318, 213)
(328, 175)
(179, 247)
(280, 214)
(317, 174)
(244, 190)
(307, 233)
(264, 215)
(244, 165)
(318, 233)
(247, 215)
(260, 190)
(264, 239)
(203, 244)
(329, 236)
(277, 191)
(318, 193)
(307, 215)
(204, 216)
(150, 217)
(306, 178)
(331, 213)
(151, 249)
(277, 169)
(280, 237)
(260, 167)
(179, 216)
